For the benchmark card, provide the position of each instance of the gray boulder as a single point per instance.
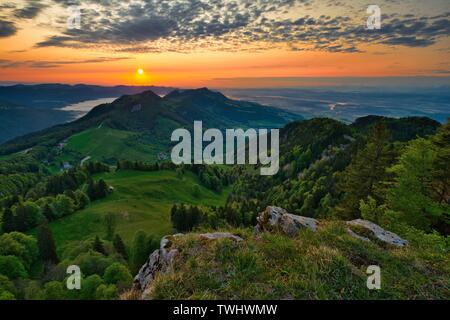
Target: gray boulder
(377, 231)
(276, 218)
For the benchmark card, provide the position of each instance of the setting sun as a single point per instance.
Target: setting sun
(140, 71)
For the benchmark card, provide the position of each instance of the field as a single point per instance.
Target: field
(106, 144)
(141, 200)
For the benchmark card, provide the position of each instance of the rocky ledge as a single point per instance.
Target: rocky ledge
(161, 260)
(278, 219)
(273, 219)
(377, 231)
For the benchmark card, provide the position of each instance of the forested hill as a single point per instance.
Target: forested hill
(148, 113)
(108, 218)
(55, 95)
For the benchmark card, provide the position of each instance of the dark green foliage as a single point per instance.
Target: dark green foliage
(120, 247)
(97, 245)
(97, 190)
(46, 244)
(27, 215)
(403, 129)
(82, 199)
(139, 251)
(21, 246)
(8, 221)
(119, 275)
(185, 218)
(364, 176)
(110, 222)
(93, 167)
(68, 180)
(12, 267)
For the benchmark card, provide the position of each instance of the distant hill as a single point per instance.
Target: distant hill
(18, 120)
(150, 119)
(29, 108)
(54, 96)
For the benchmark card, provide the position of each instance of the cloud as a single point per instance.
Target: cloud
(7, 28)
(31, 10)
(55, 64)
(254, 25)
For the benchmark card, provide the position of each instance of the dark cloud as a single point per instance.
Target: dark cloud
(7, 28)
(31, 10)
(55, 64)
(182, 26)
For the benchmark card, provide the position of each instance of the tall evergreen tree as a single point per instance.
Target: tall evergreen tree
(120, 247)
(362, 177)
(46, 244)
(441, 167)
(98, 245)
(139, 252)
(110, 222)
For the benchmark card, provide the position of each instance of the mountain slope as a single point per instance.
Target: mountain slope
(18, 120)
(154, 118)
(53, 96)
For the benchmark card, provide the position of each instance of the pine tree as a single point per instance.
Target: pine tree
(110, 221)
(441, 167)
(102, 189)
(98, 246)
(46, 244)
(139, 252)
(120, 246)
(363, 177)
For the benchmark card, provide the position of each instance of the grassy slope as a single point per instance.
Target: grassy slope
(104, 143)
(329, 264)
(142, 201)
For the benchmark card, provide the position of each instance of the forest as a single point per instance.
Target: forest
(394, 172)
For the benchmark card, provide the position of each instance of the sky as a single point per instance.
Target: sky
(238, 43)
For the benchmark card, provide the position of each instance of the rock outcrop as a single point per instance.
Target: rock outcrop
(271, 219)
(375, 230)
(276, 218)
(161, 260)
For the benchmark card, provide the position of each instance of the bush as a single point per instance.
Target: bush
(12, 267)
(19, 245)
(106, 292)
(54, 290)
(119, 275)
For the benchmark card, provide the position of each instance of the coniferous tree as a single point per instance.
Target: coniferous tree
(110, 221)
(362, 177)
(46, 244)
(441, 166)
(120, 247)
(98, 245)
(139, 252)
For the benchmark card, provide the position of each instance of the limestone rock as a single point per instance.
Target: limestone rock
(378, 232)
(276, 218)
(220, 235)
(161, 260)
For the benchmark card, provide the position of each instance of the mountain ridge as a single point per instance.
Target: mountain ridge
(148, 113)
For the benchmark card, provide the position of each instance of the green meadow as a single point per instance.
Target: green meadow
(106, 144)
(140, 200)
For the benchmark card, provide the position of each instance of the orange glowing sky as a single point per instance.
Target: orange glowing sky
(252, 47)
